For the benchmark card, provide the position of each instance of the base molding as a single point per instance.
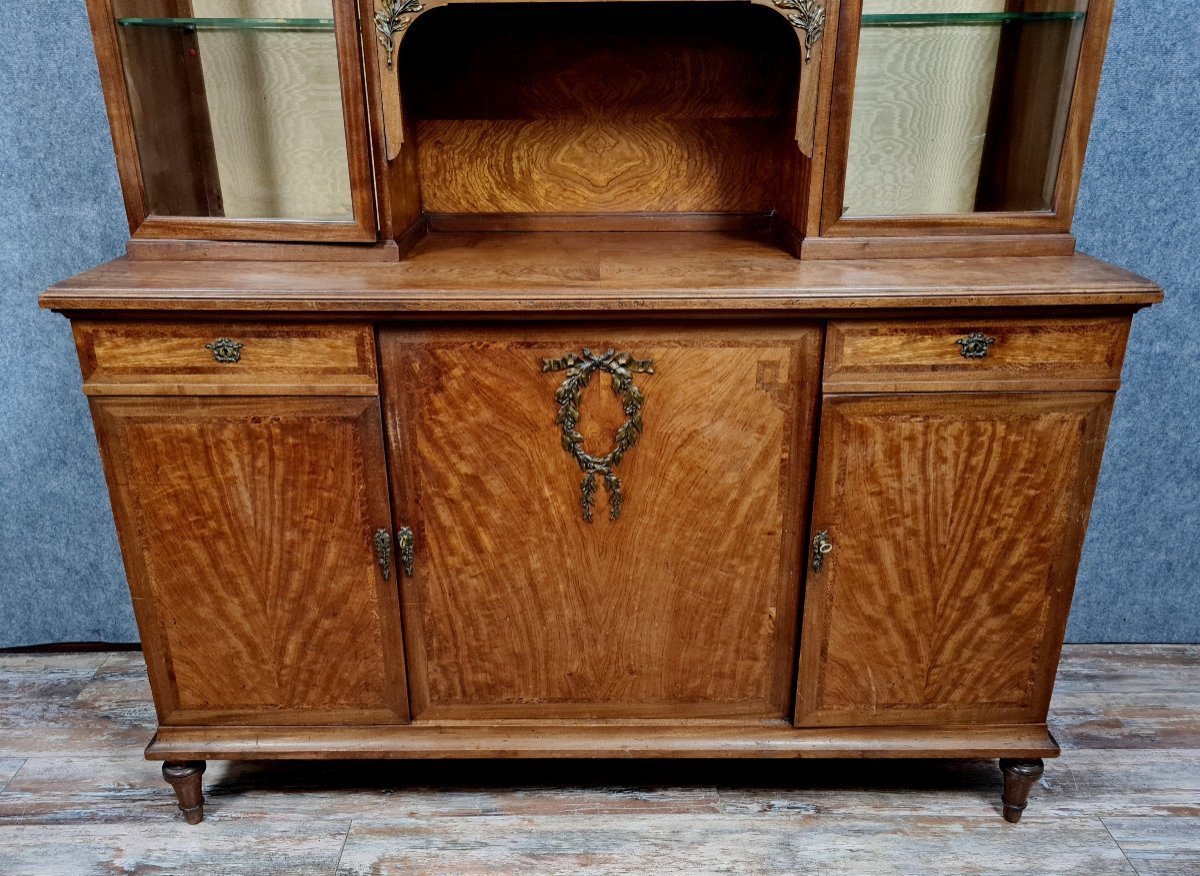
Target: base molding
(581, 740)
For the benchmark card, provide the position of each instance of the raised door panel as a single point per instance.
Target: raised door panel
(956, 523)
(686, 605)
(247, 528)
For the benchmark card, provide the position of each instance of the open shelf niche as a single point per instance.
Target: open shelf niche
(602, 116)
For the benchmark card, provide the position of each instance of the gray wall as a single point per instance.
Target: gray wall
(60, 572)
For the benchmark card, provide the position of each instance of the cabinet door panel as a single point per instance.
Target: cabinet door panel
(247, 528)
(956, 523)
(684, 606)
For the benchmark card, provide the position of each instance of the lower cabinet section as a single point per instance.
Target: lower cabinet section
(247, 527)
(953, 525)
(596, 540)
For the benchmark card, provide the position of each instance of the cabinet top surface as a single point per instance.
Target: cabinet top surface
(467, 273)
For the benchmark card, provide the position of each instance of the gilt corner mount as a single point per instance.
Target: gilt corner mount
(808, 16)
(391, 18)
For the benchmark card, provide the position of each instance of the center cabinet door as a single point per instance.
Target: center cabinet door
(685, 605)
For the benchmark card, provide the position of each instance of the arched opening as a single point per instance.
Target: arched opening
(598, 115)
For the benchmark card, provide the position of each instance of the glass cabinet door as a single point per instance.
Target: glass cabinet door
(960, 106)
(245, 119)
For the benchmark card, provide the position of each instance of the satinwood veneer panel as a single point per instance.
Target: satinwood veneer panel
(246, 527)
(956, 522)
(601, 108)
(124, 357)
(1047, 353)
(686, 605)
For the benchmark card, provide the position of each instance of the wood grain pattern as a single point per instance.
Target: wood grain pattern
(610, 166)
(956, 540)
(564, 109)
(564, 273)
(520, 608)
(161, 358)
(908, 355)
(246, 528)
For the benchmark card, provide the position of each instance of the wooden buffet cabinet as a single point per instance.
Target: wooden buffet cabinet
(624, 379)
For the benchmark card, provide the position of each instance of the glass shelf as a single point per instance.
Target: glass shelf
(964, 19)
(317, 24)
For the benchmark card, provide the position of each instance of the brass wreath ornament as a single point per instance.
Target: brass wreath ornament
(580, 369)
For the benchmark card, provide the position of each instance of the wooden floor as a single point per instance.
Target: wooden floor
(76, 797)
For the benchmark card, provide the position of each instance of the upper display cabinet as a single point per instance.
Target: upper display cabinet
(960, 117)
(238, 119)
(852, 128)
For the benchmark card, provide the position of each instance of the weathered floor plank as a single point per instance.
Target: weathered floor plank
(114, 789)
(43, 714)
(653, 844)
(218, 848)
(1128, 719)
(9, 766)
(1123, 782)
(1113, 669)
(1159, 845)
(77, 797)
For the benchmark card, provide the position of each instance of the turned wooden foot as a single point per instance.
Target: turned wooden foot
(184, 777)
(1019, 776)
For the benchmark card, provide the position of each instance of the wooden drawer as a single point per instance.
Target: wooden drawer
(226, 358)
(1083, 353)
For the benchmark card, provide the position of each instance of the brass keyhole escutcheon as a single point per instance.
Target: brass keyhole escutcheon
(580, 369)
(975, 346)
(226, 350)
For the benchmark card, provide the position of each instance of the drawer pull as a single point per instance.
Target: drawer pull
(226, 350)
(975, 346)
(383, 552)
(406, 544)
(580, 369)
(821, 546)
